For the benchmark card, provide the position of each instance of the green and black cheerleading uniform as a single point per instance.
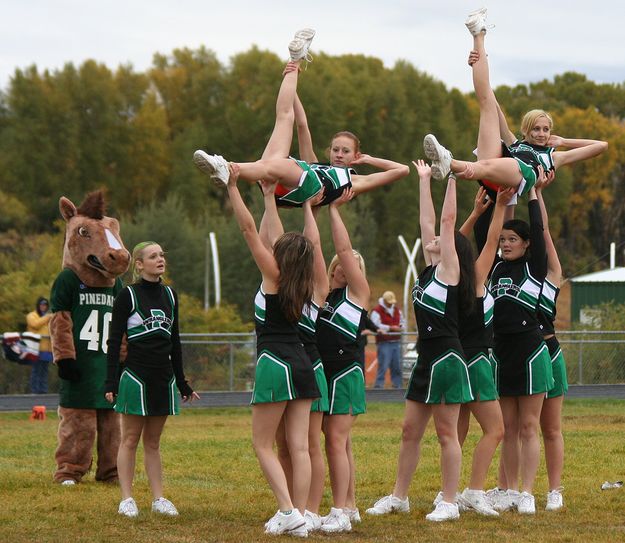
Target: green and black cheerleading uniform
(339, 326)
(521, 358)
(315, 176)
(546, 319)
(476, 338)
(440, 373)
(90, 309)
(283, 370)
(306, 326)
(529, 157)
(147, 313)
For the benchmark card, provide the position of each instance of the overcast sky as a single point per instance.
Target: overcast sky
(531, 40)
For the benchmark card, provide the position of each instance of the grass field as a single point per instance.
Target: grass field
(211, 474)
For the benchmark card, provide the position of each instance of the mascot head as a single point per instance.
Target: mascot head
(93, 248)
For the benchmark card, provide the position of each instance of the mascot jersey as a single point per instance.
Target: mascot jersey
(90, 308)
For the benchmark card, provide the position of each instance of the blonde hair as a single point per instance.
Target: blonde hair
(137, 254)
(335, 262)
(530, 118)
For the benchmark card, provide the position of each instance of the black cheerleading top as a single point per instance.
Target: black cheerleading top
(533, 155)
(476, 326)
(272, 325)
(147, 313)
(339, 327)
(516, 284)
(547, 308)
(435, 306)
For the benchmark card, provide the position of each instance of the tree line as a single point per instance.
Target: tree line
(79, 128)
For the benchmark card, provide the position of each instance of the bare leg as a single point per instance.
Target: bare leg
(510, 448)
(488, 415)
(279, 144)
(489, 138)
(463, 422)
(265, 420)
(296, 424)
(446, 423)
(283, 454)
(502, 171)
(337, 428)
(551, 426)
(152, 430)
(317, 464)
(529, 417)
(416, 418)
(132, 426)
(284, 170)
(350, 502)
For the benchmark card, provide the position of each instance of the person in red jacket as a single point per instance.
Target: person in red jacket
(390, 321)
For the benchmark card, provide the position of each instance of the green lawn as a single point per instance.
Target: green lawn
(212, 476)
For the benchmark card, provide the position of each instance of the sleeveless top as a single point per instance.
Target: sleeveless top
(547, 308)
(435, 305)
(338, 327)
(272, 325)
(476, 326)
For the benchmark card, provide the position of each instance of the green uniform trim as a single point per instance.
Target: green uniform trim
(539, 372)
(347, 392)
(321, 405)
(482, 379)
(529, 177)
(273, 381)
(558, 369)
(131, 398)
(449, 380)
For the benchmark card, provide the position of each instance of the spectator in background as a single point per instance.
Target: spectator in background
(389, 321)
(37, 323)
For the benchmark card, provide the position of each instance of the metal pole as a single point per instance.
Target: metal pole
(411, 269)
(206, 275)
(231, 367)
(216, 270)
(580, 376)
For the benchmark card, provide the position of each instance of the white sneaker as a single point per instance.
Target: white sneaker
(164, 507)
(214, 165)
(336, 521)
(388, 504)
(440, 157)
(291, 524)
(68, 482)
(313, 521)
(306, 35)
(439, 499)
(499, 499)
(353, 514)
(444, 511)
(128, 508)
(476, 500)
(476, 21)
(554, 499)
(526, 505)
(298, 49)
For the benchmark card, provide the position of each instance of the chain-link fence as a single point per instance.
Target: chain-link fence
(225, 362)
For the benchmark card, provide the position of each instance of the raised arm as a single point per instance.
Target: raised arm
(311, 231)
(481, 204)
(554, 268)
(427, 215)
(484, 262)
(304, 139)
(449, 267)
(391, 171)
(504, 131)
(578, 149)
(270, 225)
(262, 256)
(538, 254)
(356, 280)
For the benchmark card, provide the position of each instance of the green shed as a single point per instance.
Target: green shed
(594, 289)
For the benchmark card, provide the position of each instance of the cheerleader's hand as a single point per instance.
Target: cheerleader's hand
(482, 201)
(505, 196)
(423, 169)
(474, 56)
(110, 397)
(194, 396)
(346, 196)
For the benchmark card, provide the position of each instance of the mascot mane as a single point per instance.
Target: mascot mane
(93, 248)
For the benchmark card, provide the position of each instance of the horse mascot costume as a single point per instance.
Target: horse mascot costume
(94, 258)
